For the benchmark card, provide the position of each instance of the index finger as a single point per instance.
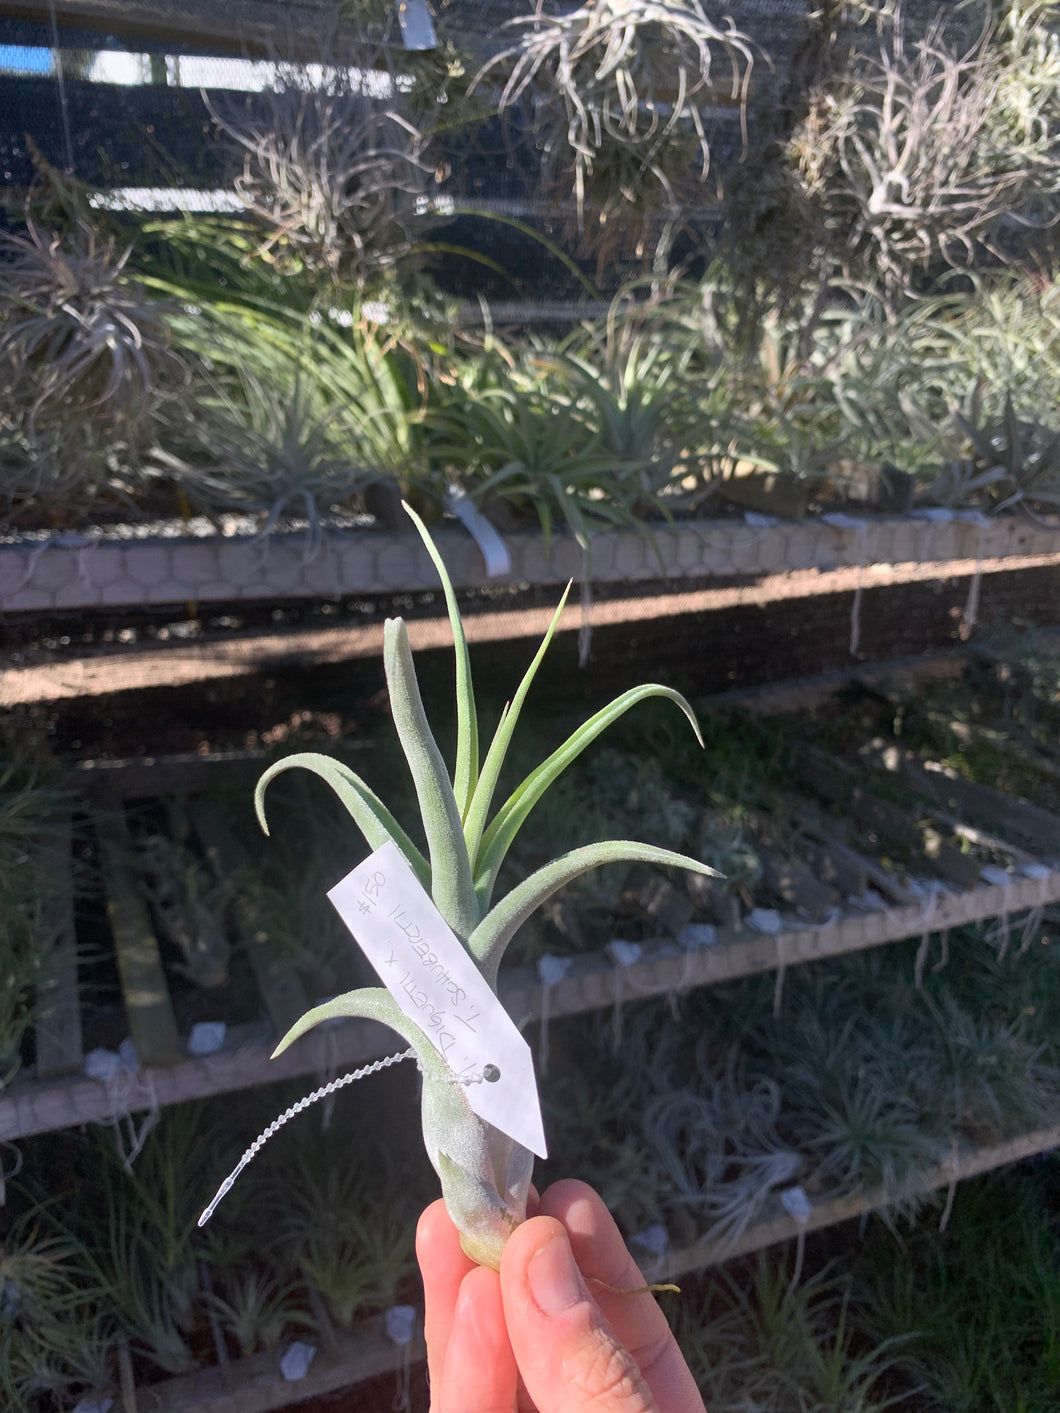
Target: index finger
(601, 1256)
(443, 1266)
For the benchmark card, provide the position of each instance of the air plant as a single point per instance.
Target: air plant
(616, 88)
(516, 444)
(485, 1175)
(1011, 461)
(76, 326)
(79, 341)
(256, 1311)
(276, 449)
(339, 1227)
(775, 1346)
(32, 812)
(335, 175)
(190, 904)
(916, 159)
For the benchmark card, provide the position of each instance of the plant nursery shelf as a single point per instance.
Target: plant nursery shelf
(98, 571)
(778, 1225)
(254, 1385)
(33, 1104)
(770, 565)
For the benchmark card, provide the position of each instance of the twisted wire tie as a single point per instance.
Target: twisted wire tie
(489, 1074)
(297, 1108)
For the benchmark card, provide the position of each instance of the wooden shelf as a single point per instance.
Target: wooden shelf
(32, 1104)
(778, 1225)
(255, 1386)
(753, 565)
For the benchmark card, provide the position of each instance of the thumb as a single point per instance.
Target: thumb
(569, 1357)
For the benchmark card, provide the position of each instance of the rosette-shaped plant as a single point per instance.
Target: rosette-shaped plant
(485, 1175)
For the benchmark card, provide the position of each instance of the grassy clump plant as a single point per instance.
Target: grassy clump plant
(975, 1305)
(33, 817)
(861, 1081)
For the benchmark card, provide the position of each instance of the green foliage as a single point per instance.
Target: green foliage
(861, 1082)
(80, 344)
(51, 1342)
(977, 1304)
(1010, 462)
(339, 1224)
(256, 1311)
(757, 1339)
(33, 812)
(333, 176)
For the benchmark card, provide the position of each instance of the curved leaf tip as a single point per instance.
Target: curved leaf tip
(259, 803)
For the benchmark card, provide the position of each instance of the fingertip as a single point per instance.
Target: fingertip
(528, 1237)
(598, 1245)
(561, 1195)
(434, 1224)
(478, 1373)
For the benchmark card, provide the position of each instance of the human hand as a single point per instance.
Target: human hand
(537, 1336)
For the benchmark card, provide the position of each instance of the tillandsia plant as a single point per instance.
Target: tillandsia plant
(616, 88)
(485, 1174)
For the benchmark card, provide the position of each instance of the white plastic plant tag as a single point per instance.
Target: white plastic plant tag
(417, 27)
(437, 985)
(938, 514)
(295, 1363)
(206, 1037)
(999, 877)
(624, 953)
(765, 920)
(839, 521)
(494, 550)
(399, 1324)
(796, 1204)
(552, 969)
(695, 935)
(655, 1240)
(101, 1064)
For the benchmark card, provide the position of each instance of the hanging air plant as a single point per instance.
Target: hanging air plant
(616, 90)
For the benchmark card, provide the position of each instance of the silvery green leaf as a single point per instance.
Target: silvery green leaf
(488, 942)
(475, 819)
(465, 774)
(485, 1176)
(498, 838)
(450, 881)
(369, 1003)
(369, 813)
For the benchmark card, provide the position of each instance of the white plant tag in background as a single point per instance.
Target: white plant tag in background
(399, 1323)
(796, 1204)
(655, 1240)
(494, 550)
(626, 954)
(434, 981)
(551, 970)
(296, 1361)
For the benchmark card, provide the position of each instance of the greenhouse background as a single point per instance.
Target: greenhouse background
(737, 336)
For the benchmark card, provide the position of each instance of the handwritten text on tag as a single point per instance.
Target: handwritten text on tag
(424, 966)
